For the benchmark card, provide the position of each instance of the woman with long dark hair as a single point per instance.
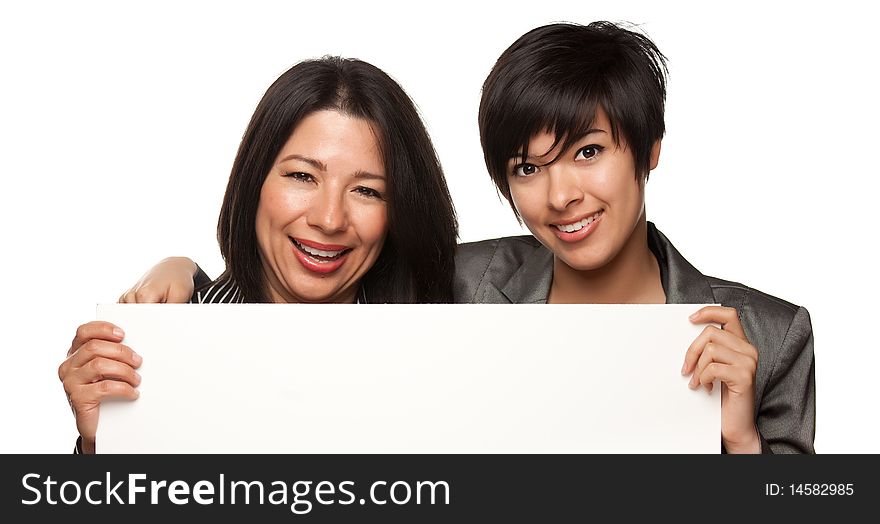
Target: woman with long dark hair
(335, 195)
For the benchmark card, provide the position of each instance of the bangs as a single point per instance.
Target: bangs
(535, 96)
(567, 115)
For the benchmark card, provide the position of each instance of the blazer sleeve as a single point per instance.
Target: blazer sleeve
(786, 418)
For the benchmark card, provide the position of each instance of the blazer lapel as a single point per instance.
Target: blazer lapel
(530, 284)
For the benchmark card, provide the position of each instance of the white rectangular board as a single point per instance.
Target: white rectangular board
(451, 378)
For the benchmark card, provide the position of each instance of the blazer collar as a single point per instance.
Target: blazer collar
(682, 282)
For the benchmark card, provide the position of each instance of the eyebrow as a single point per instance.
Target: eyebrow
(368, 175)
(317, 164)
(579, 137)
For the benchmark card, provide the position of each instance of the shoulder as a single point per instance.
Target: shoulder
(773, 325)
(765, 317)
(761, 311)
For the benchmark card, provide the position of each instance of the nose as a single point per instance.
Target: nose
(328, 211)
(564, 188)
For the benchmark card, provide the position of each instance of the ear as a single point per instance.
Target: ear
(655, 154)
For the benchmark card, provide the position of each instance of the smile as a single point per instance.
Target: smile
(580, 224)
(319, 258)
(319, 253)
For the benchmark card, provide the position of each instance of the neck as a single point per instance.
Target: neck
(631, 277)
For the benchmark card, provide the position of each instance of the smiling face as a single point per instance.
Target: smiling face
(322, 217)
(585, 205)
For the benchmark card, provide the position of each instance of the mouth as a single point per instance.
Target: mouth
(317, 257)
(579, 229)
(580, 224)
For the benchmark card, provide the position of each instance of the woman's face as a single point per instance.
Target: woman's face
(322, 217)
(584, 206)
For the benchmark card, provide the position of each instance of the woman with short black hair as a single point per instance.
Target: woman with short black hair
(571, 122)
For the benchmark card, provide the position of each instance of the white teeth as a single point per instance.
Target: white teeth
(577, 226)
(319, 252)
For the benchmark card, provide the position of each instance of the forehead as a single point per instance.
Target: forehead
(331, 135)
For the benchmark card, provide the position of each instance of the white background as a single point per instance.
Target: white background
(119, 125)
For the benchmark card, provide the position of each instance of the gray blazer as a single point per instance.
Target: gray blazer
(519, 270)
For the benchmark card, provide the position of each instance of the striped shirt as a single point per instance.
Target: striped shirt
(220, 291)
(226, 291)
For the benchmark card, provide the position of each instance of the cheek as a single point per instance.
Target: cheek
(371, 224)
(632, 194)
(278, 206)
(618, 188)
(526, 200)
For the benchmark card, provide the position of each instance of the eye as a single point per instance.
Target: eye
(524, 170)
(588, 152)
(302, 177)
(368, 192)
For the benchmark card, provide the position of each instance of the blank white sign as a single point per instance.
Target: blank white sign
(339, 378)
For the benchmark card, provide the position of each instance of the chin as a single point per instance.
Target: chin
(585, 262)
(312, 293)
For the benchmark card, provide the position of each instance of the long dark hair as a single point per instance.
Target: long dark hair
(416, 263)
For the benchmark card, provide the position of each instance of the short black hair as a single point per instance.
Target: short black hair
(554, 78)
(416, 262)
